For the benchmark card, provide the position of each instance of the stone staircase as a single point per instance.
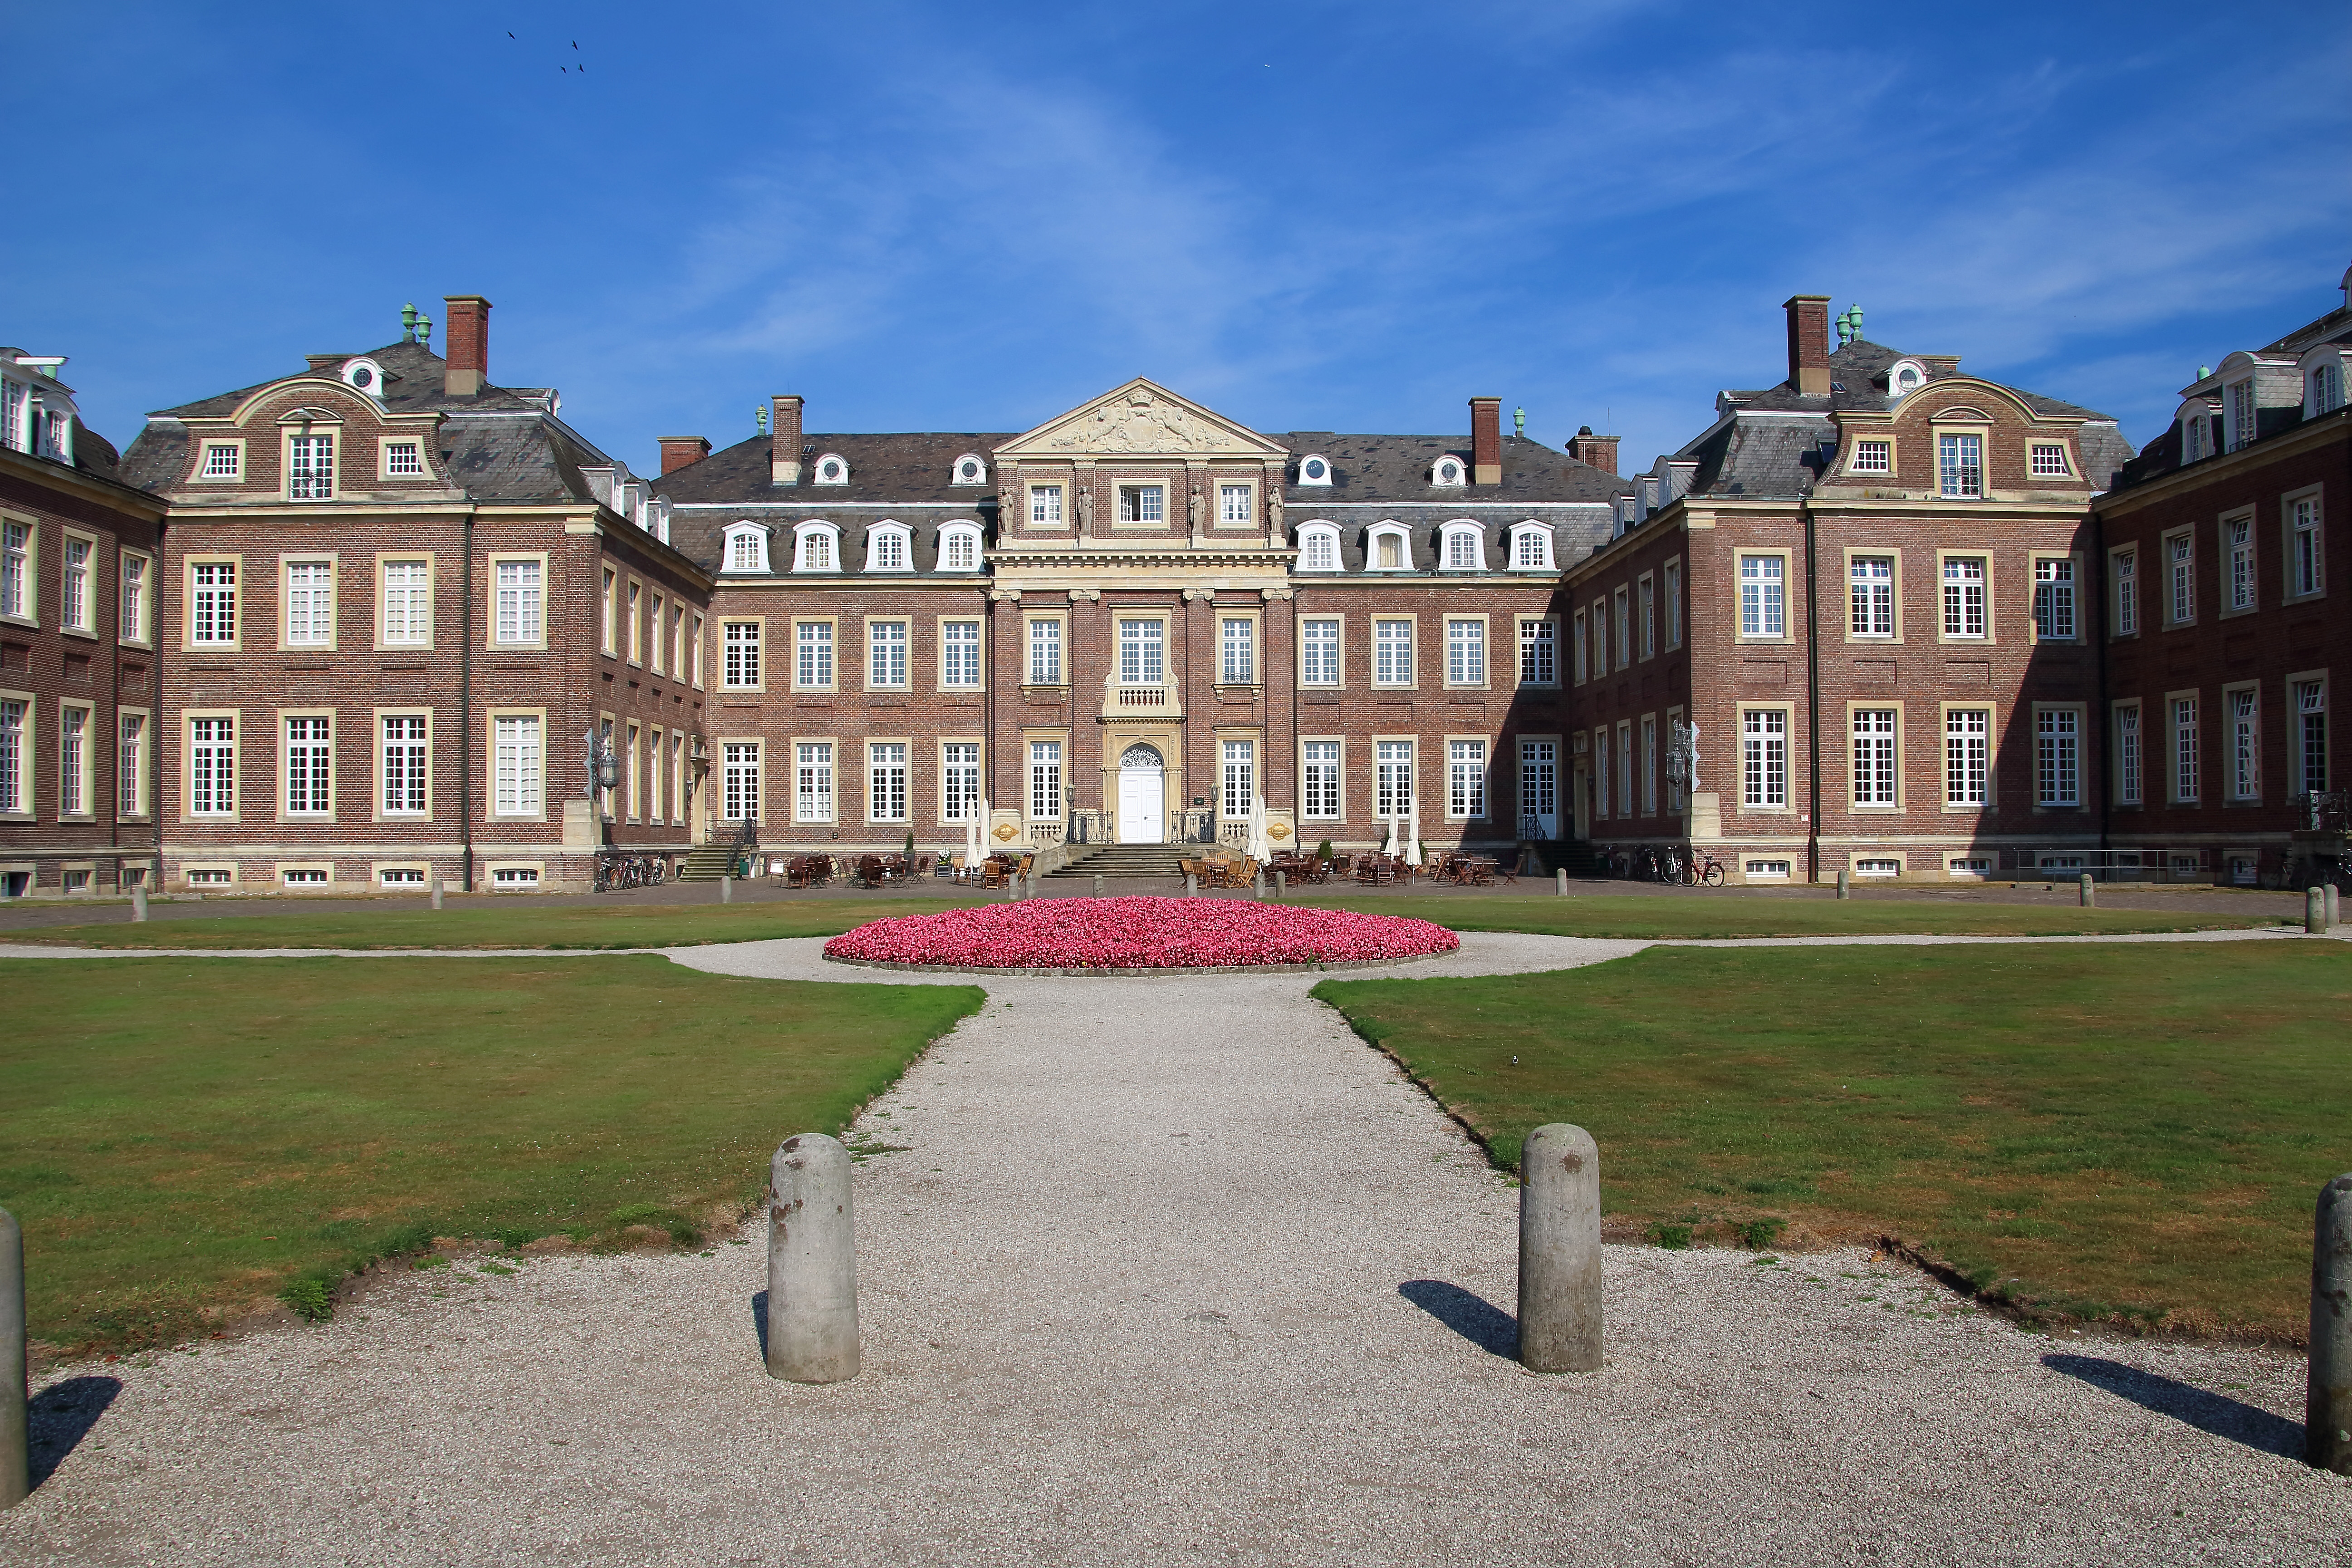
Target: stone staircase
(706, 863)
(1131, 860)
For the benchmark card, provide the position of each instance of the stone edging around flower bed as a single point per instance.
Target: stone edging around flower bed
(1142, 973)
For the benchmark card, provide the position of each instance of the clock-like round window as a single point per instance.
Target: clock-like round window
(1314, 468)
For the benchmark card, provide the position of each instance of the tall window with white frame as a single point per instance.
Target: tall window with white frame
(15, 791)
(73, 761)
(1465, 780)
(813, 781)
(1318, 550)
(1045, 506)
(402, 765)
(2241, 532)
(1625, 767)
(1538, 653)
(2242, 426)
(1318, 784)
(959, 551)
(212, 610)
(886, 653)
(521, 613)
(310, 766)
(1532, 548)
(309, 604)
(2053, 599)
(886, 799)
(2311, 735)
(1764, 758)
(1763, 607)
(2057, 758)
(1237, 788)
(15, 568)
(74, 606)
(2185, 782)
(2126, 581)
(1960, 466)
(1045, 778)
(212, 766)
(1393, 778)
(518, 765)
(2306, 548)
(1466, 652)
(1622, 621)
(2180, 555)
(2245, 746)
(1461, 549)
(1044, 653)
(740, 658)
(959, 655)
(1646, 595)
(1391, 652)
(1674, 577)
(812, 655)
(1967, 756)
(1871, 588)
(887, 550)
(1601, 773)
(1237, 651)
(1319, 651)
(1964, 596)
(1576, 646)
(1649, 765)
(405, 618)
(311, 467)
(131, 765)
(960, 781)
(1874, 756)
(740, 781)
(1142, 649)
(1233, 506)
(2129, 759)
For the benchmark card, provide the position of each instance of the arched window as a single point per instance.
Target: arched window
(1464, 547)
(747, 548)
(817, 547)
(960, 547)
(2322, 381)
(1448, 471)
(1319, 547)
(970, 469)
(832, 470)
(1531, 548)
(1388, 548)
(889, 547)
(1315, 468)
(1905, 377)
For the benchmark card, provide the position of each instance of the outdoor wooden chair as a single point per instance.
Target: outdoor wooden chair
(996, 872)
(869, 870)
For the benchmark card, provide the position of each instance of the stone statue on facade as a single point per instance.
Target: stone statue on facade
(1199, 508)
(1086, 510)
(1273, 509)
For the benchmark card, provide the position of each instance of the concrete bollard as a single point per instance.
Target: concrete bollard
(437, 885)
(16, 1393)
(2327, 1407)
(2328, 893)
(1560, 881)
(2090, 892)
(727, 888)
(812, 1263)
(1257, 885)
(1281, 884)
(1192, 885)
(2315, 911)
(1845, 885)
(1098, 884)
(1559, 1250)
(138, 903)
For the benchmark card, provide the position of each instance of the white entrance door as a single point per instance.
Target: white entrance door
(1142, 797)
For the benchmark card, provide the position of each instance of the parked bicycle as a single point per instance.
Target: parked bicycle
(617, 872)
(1699, 869)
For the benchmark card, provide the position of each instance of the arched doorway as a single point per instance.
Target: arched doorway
(1142, 795)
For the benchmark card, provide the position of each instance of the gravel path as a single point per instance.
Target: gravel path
(1178, 1270)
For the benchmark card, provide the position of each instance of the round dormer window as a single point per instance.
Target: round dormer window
(1314, 468)
(831, 470)
(968, 472)
(1448, 472)
(363, 377)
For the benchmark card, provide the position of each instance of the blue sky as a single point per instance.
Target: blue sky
(1305, 215)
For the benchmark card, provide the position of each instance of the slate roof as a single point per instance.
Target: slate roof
(411, 384)
(1377, 468)
(888, 469)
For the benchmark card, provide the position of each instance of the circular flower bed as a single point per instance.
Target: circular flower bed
(1139, 935)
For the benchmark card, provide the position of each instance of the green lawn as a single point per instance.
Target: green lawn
(1699, 915)
(2088, 1130)
(505, 924)
(186, 1137)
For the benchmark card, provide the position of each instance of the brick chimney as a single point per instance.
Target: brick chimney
(679, 451)
(784, 456)
(1485, 440)
(1599, 451)
(467, 363)
(1809, 344)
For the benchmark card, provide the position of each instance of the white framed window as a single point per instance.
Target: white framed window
(1601, 773)
(1763, 605)
(2181, 558)
(1872, 457)
(1539, 652)
(813, 780)
(1044, 653)
(1448, 471)
(514, 878)
(130, 765)
(656, 637)
(2185, 782)
(1466, 651)
(1649, 765)
(2054, 598)
(1967, 756)
(1314, 468)
(1767, 870)
(2193, 447)
(16, 582)
(402, 764)
(813, 656)
(886, 653)
(1391, 550)
(1044, 781)
(1620, 622)
(831, 469)
(403, 459)
(2306, 557)
(1878, 866)
(1142, 646)
(1236, 506)
(1576, 646)
(2048, 461)
(1142, 504)
(519, 765)
(16, 763)
(1764, 758)
(1871, 592)
(1960, 466)
(959, 655)
(1538, 787)
(311, 467)
(694, 655)
(1964, 596)
(959, 547)
(1237, 651)
(521, 609)
(2311, 736)
(2123, 569)
(2240, 406)
(2239, 533)
(886, 788)
(73, 760)
(222, 460)
(1319, 781)
(1645, 595)
(1531, 548)
(212, 603)
(747, 548)
(1465, 780)
(1625, 767)
(2128, 759)
(740, 662)
(1393, 778)
(1874, 777)
(74, 601)
(816, 547)
(608, 605)
(1238, 781)
(310, 765)
(1045, 506)
(1391, 652)
(2245, 745)
(1318, 548)
(404, 610)
(970, 470)
(960, 781)
(890, 548)
(212, 766)
(1319, 651)
(309, 604)
(1464, 547)
(2324, 388)
(2057, 757)
(740, 781)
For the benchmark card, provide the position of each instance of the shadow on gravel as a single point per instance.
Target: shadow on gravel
(1473, 1317)
(759, 1322)
(2208, 1411)
(62, 1414)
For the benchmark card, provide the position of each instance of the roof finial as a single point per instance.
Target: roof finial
(408, 322)
(424, 331)
(1519, 424)
(760, 417)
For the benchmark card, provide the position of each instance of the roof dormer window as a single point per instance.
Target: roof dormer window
(816, 547)
(889, 547)
(1448, 471)
(2238, 413)
(1905, 377)
(2323, 382)
(960, 547)
(1315, 468)
(1530, 547)
(1464, 547)
(970, 470)
(1388, 548)
(747, 548)
(365, 375)
(832, 470)
(1319, 547)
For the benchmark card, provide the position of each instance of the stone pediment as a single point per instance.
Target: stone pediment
(1139, 420)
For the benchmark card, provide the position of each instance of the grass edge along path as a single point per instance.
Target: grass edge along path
(187, 1139)
(2073, 1133)
(1698, 916)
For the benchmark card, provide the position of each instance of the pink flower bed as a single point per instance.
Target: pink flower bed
(1138, 933)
